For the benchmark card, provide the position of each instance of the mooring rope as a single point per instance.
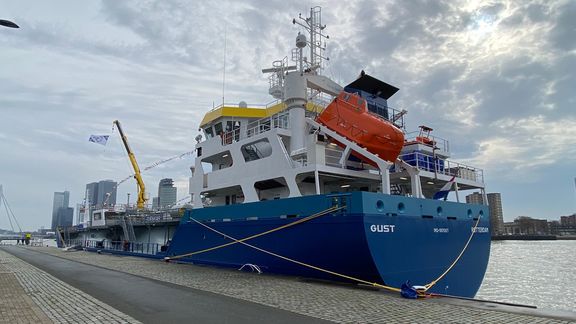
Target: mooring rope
(234, 241)
(421, 293)
(433, 282)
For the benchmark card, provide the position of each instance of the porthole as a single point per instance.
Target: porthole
(380, 205)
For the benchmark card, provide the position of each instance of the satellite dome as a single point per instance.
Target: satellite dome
(300, 41)
(242, 104)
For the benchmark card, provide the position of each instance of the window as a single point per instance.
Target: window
(218, 128)
(208, 131)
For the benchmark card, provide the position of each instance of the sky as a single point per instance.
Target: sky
(495, 78)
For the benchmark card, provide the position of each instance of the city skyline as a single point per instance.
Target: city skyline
(62, 213)
(492, 78)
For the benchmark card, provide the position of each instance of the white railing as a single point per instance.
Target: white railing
(236, 105)
(279, 120)
(437, 142)
(441, 166)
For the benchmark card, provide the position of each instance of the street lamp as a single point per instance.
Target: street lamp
(8, 23)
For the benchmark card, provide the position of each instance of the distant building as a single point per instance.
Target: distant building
(496, 214)
(106, 193)
(64, 217)
(92, 193)
(166, 193)
(155, 204)
(495, 206)
(566, 226)
(524, 225)
(61, 200)
(101, 194)
(475, 198)
(568, 220)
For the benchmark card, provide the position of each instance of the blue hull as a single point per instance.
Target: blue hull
(374, 237)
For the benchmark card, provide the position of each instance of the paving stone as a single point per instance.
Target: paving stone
(329, 301)
(30, 295)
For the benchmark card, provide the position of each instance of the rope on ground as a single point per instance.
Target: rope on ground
(234, 241)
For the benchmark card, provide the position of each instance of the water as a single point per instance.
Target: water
(537, 273)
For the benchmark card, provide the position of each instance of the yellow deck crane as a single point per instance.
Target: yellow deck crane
(141, 188)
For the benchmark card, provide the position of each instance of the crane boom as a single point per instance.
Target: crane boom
(141, 187)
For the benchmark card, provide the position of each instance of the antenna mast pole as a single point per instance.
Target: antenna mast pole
(224, 72)
(313, 25)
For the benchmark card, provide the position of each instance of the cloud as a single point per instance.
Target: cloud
(562, 34)
(493, 77)
(526, 145)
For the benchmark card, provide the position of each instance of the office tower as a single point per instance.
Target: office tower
(166, 193)
(496, 215)
(475, 198)
(106, 193)
(64, 217)
(61, 200)
(101, 194)
(92, 193)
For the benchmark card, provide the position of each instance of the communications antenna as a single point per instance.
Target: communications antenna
(313, 25)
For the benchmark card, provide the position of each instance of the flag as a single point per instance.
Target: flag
(99, 139)
(443, 193)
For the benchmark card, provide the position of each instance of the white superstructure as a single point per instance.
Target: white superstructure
(251, 154)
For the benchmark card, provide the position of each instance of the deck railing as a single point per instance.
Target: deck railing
(124, 246)
(279, 120)
(442, 166)
(436, 141)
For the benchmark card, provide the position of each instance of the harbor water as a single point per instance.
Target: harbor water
(537, 273)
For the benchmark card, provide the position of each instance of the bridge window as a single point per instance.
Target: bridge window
(218, 128)
(378, 109)
(209, 132)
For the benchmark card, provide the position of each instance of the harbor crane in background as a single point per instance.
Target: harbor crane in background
(137, 175)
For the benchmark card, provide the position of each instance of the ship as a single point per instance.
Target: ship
(324, 182)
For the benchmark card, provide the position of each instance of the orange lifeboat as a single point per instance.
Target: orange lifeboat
(348, 116)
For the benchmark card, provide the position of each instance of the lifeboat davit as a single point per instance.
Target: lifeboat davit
(348, 116)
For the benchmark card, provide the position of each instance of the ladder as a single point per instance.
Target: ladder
(128, 228)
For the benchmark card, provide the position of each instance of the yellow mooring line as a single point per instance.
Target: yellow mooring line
(235, 241)
(433, 282)
(421, 293)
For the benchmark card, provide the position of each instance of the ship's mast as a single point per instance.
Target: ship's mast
(296, 80)
(313, 25)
